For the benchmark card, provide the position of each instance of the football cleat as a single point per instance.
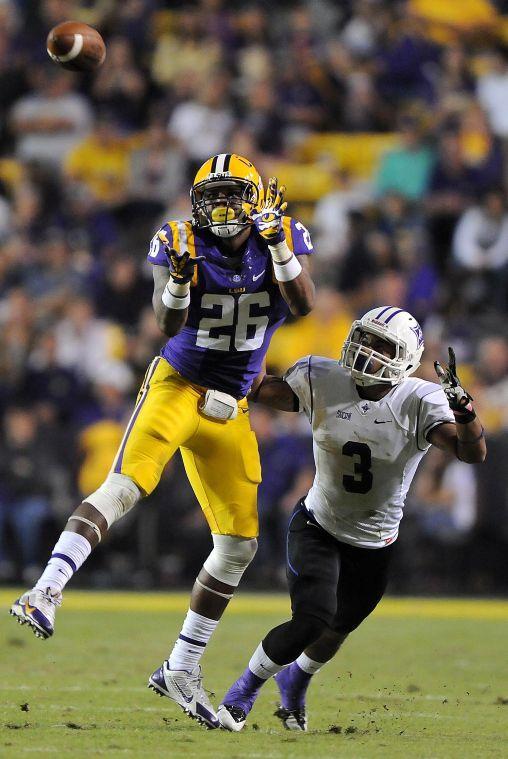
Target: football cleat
(231, 717)
(239, 700)
(185, 688)
(292, 719)
(37, 608)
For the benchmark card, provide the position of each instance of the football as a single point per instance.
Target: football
(76, 46)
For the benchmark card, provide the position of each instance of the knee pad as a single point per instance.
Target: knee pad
(230, 558)
(115, 497)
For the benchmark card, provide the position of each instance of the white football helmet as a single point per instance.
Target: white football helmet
(397, 327)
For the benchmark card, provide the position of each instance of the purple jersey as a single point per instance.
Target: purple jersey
(233, 311)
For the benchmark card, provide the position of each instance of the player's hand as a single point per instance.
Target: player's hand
(181, 265)
(268, 219)
(458, 398)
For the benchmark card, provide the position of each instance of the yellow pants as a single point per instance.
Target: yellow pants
(221, 459)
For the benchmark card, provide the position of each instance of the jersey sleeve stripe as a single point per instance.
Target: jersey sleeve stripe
(191, 247)
(286, 226)
(173, 225)
(417, 436)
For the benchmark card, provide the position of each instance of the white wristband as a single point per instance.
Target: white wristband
(176, 296)
(287, 271)
(280, 252)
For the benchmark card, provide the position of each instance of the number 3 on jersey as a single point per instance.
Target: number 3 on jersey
(249, 329)
(361, 480)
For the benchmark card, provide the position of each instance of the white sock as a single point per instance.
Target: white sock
(262, 666)
(191, 643)
(68, 555)
(309, 665)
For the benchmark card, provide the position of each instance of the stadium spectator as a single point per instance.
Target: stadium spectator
(101, 162)
(203, 126)
(492, 90)
(121, 87)
(406, 169)
(288, 472)
(25, 490)
(480, 247)
(85, 343)
(51, 120)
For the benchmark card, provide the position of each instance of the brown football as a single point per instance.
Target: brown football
(76, 46)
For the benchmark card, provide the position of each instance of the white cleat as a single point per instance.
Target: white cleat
(186, 689)
(231, 718)
(37, 608)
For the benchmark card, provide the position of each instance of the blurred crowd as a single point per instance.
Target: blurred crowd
(387, 120)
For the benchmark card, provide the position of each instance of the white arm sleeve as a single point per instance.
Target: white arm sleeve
(299, 380)
(433, 410)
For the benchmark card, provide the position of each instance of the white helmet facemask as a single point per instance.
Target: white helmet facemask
(397, 328)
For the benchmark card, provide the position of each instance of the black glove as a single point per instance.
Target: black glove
(181, 265)
(458, 398)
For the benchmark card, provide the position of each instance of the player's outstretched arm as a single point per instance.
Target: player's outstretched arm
(465, 439)
(292, 273)
(171, 293)
(274, 392)
(170, 320)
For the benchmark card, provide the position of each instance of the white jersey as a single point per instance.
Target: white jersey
(366, 452)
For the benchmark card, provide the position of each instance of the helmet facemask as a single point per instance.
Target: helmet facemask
(224, 205)
(369, 366)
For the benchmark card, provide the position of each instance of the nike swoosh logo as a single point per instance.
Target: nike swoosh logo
(187, 699)
(254, 278)
(311, 524)
(384, 421)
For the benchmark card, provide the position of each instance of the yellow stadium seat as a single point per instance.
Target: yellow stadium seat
(11, 172)
(358, 154)
(304, 182)
(463, 15)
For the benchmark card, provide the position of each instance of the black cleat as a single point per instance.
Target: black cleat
(292, 719)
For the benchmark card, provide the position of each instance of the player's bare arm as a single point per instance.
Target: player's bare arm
(465, 439)
(274, 392)
(291, 272)
(171, 295)
(300, 292)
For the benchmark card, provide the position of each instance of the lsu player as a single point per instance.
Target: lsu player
(372, 424)
(223, 283)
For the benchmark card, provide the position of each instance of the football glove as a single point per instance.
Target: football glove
(181, 265)
(268, 219)
(459, 399)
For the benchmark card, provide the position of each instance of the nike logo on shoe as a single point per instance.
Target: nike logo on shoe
(187, 699)
(257, 276)
(383, 421)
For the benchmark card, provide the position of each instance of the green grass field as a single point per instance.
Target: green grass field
(420, 678)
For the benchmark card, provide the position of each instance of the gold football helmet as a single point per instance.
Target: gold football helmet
(226, 190)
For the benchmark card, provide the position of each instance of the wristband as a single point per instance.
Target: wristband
(285, 264)
(175, 295)
(288, 271)
(280, 252)
(464, 417)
